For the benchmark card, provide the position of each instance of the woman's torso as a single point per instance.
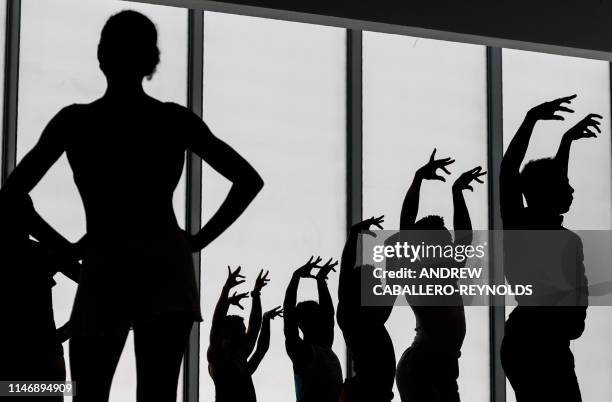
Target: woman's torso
(126, 163)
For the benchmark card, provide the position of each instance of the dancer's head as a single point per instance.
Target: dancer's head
(234, 331)
(546, 186)
(310, 318)
(433, 230)
(128, 47)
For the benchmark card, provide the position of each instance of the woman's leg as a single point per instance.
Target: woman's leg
(93, 360)
(160, 343)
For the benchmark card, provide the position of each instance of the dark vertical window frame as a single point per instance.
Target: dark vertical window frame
(11, 87)
(495, 150)
(193, 208)
(354, 137)
(610, 86)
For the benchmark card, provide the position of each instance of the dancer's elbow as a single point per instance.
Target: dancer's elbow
(252, 184)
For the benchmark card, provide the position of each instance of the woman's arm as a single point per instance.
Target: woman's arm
(38, 161)
(63, 252)
(246, 182)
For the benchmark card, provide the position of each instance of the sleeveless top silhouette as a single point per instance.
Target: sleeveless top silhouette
(126, 162)
(321, 379)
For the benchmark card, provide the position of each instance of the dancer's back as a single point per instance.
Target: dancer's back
(127, 158)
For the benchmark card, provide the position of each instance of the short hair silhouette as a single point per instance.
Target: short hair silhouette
(544, 182)
(128, 45)
(233, 328)
(433, 222)
(308, 315)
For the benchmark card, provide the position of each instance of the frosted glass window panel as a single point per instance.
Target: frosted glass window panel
(421, 94)
(58, 67)
(529, 79)
(275, 91)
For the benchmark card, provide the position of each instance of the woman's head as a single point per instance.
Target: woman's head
(128, 46)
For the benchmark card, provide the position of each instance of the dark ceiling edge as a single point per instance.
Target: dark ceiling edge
(340, 22)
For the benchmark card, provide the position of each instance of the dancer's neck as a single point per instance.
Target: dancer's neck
(124, 89)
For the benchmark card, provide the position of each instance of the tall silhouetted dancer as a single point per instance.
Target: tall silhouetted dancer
(30, 345)
(535, 351)
(429, 368)
(316, 369)
(363, 328)
(126, 151)
(231, 343)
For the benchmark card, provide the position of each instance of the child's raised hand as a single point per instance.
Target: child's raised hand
(272, 314)
(585, 128)
(430, 170)
(365, 225)
(325, 269)
(464, 181)
(261, 281)
(233, 278)
(305, 271)
(550, 110)
(236, 298)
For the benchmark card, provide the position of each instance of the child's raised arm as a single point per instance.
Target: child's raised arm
(264, 339)
(410, 207)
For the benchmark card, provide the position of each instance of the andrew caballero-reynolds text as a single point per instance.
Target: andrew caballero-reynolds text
(435, 270)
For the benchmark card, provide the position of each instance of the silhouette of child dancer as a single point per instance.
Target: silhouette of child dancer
(317, 371)
(364, 329)
(30, 345)
(231, 344)
(429, 368)
(535, 352)
(126, 151)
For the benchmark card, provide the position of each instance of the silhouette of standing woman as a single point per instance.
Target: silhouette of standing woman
(126, 151)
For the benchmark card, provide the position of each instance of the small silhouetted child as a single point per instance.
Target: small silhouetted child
(363, 327)
(316, 368)
(231, 343)
(31, 346)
